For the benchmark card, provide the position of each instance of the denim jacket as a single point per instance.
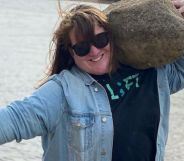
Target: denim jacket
(72, 114)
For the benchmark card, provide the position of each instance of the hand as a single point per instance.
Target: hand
(179, 4)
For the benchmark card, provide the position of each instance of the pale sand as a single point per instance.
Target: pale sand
(25, 32)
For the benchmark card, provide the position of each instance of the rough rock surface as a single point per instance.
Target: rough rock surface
(97, 1)
(147, 33)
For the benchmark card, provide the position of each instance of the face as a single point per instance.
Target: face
(97, 60)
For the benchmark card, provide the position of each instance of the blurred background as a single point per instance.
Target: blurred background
(26, 29)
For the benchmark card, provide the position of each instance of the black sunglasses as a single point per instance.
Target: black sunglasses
(99, 41)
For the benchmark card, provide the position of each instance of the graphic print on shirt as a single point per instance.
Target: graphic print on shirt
(133, 97)
(123, 86)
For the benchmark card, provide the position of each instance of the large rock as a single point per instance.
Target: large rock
(147, 33)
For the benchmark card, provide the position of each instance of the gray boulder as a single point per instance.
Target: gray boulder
(146, 33)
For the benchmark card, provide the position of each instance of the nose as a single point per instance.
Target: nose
(93, 51)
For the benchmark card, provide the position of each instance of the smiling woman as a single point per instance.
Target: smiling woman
(85, 111)
(82, 38)
(96, 54)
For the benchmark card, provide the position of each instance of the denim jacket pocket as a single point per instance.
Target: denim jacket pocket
(81, 131)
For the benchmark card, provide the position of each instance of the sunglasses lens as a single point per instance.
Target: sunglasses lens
(101, 40)
(82, 48)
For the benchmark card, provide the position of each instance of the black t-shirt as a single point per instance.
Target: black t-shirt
(134, 102)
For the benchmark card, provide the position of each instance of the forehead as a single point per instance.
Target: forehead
(74, 37)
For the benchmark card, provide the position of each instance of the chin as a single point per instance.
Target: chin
(99, 72)
(96, 71)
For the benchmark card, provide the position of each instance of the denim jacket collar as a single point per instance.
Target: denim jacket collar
(88, 80)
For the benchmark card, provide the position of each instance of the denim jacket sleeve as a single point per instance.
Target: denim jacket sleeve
(175, 74)
(33, 116)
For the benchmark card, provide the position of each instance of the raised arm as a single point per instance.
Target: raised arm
(175, 71)
(175, 74)
(33, 116)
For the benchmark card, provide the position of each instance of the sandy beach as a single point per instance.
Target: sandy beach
(26, 29)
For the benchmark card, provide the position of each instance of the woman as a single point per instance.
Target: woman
(81, 112)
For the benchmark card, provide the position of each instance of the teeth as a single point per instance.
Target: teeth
(97, 59)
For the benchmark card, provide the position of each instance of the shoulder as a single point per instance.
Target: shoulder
(67, 78)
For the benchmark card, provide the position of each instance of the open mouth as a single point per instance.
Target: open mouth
(97, 59)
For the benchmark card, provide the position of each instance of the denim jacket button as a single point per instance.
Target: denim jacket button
(103, 152)
(78, 124)
(104, 119)
(96, 89)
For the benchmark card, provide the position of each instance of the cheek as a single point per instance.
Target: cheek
(79, 61)
(107, 48)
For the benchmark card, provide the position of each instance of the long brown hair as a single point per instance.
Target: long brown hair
(81, 19)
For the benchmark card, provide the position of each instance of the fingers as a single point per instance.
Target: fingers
(181, 10)
(179, 4)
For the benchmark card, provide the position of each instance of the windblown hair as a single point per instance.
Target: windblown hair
(82, 20)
